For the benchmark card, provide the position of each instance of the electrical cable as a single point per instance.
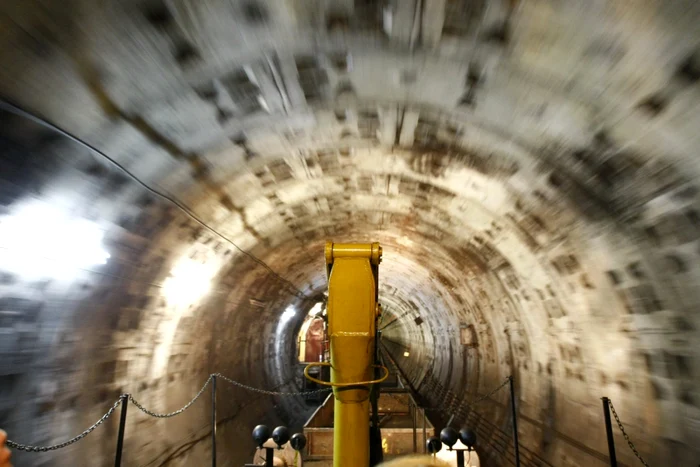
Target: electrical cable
(12, 108)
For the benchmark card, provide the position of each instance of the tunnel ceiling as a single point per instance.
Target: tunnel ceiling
(529, 167)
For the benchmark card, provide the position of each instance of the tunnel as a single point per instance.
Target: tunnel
(172, 169)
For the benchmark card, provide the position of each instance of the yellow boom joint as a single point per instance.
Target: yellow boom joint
(353, 271)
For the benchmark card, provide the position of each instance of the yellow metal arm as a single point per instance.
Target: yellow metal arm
(353, 274)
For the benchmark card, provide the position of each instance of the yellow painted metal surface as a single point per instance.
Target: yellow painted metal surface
(352, 308)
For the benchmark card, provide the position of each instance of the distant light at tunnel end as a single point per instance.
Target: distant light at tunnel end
(406, 354)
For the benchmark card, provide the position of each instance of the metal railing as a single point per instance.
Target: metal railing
(414, 407)
(124, 400)
(607, 404)
(514, 413)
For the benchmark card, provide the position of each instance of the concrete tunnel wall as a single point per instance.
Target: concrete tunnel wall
(530, 169)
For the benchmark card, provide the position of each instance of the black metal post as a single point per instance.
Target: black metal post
(122, 427)
(413, 410)
(269, 457)
(425, 434)
(516, 446)
(608, 430)
(213, 421)
(376, 455)
(460, 458)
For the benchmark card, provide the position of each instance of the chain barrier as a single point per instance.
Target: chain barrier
(270, 393)
(624, 433)
(29, 448)
(171, 414)
(480, 399)
(494, 391)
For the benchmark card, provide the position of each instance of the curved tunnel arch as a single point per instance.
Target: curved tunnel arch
(537, 222)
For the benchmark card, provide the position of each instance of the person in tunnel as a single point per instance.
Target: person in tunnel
(5, 453)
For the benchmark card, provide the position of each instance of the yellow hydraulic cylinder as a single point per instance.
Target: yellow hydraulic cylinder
(352, 307)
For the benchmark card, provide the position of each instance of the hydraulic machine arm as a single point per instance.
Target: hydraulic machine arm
(352, 311)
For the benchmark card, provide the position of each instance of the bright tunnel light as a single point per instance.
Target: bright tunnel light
(316, 309)
(288, 314)
(189, 280)
(39, 240)
(450, 457)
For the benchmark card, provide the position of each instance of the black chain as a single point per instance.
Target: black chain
(270, 393)
(29, 448)
(624, 433)
(171, 414)
(483, 398)
(480, 399)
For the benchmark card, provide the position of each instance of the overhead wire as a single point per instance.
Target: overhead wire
(15, 109)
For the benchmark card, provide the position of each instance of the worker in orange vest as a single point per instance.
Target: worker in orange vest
(4, 452)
